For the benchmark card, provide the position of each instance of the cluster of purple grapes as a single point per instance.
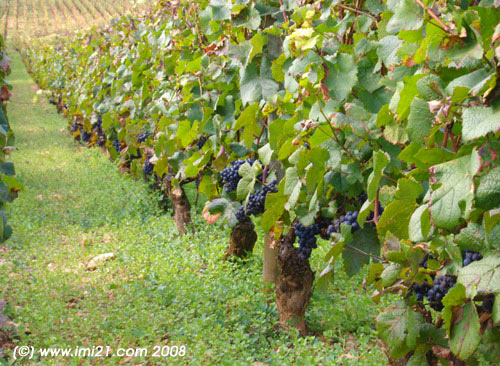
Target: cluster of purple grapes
(421, 289)
(142, 137)
(85, 135)
(101, 136)
(241, 215)
(148, 167)
(488, 304)
(116, 145)
(256, 202)
(75, 127)
(442, 284)
(201, 142)
(439, 289)
(469, 256)
(230, 175)
(307, 238)
(350, 218)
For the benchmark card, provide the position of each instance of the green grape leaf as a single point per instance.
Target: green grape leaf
(380, 161)
(455, 192)
(420, 224)
(472, 237)
(479, 121)
(396, 218)
(419, 121)
(342, 76)
(483, 275)
(456, 296)
(408, 15)
(465, 335)
(254, 87)
(488, 191)
(274, 208)
(393, 327)
(363, 244)
(265, 154)
(473, 81)
(390, 274)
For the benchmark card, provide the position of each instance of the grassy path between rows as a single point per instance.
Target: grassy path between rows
(160, 289)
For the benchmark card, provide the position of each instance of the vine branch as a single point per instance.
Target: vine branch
(434, 16)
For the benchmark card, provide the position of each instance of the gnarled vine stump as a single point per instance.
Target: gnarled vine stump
(182, 207)
(242, 240)
(294, 285)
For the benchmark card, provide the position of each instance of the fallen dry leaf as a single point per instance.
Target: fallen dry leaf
(100, 259)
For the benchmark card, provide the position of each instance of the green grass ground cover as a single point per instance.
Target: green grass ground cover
(161, 289)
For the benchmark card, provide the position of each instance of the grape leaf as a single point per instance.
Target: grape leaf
(472, 237)
(254, 87)
(392, 327)
(483, 275)
(342, 77)
(380, 161)
(420, 225)
(408, 15)
(488, 192)
(479, 121)
(364, 242)
(457, 187)
(465, 336)
(419, 120)
(396, 218)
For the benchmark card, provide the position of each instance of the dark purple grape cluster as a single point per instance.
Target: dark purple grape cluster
(201, 142)
(142, 137)
(241, 215)
(52, 101)
(488, 303)
(372, 214)
(148, 167)
(440, 288)
(421, 290)
(469, 256)
(101, 140)
(230, 175)
(307, 239)
(350, 218)
(257, 200)
(323, 222)
(116, 145)
(101, 136)
(85, 135)
(75, 127)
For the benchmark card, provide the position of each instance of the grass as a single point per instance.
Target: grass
(161, 289)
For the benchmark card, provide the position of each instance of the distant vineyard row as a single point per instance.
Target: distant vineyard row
(37, 18)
